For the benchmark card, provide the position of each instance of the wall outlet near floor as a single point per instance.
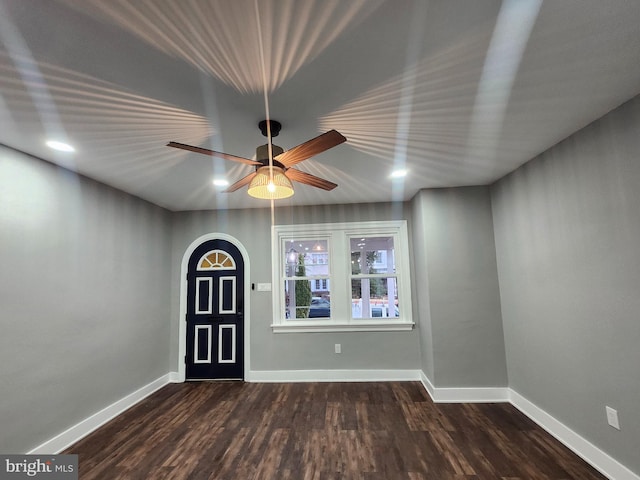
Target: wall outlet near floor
(338, 348)
(612, 417)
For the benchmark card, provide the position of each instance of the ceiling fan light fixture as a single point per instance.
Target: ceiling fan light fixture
(264, 186)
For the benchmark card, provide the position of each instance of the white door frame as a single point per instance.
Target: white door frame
(182, 336)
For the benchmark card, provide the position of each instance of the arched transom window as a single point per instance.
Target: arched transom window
(216, 260)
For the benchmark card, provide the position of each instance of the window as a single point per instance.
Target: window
(337, 277)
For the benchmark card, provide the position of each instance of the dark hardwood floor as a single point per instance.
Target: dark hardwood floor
(304, 431)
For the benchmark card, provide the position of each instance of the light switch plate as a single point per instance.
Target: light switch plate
(264, 287)
(612, 417)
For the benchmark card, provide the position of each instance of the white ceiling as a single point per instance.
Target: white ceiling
(458, 92)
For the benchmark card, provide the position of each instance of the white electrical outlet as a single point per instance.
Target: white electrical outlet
(338, 348)
(612, 417)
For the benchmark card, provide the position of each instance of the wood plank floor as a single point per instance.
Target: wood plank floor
(318, 431)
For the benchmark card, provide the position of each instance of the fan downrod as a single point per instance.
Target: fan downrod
(275, 127)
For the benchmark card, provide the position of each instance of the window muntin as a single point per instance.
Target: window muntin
(363, 265)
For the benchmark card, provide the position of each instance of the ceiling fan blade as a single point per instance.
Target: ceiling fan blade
(309, 179)
(310, 148)
(213, 153)
(240, 183)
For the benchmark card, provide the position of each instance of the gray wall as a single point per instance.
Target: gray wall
(567, 228)
(84, 321)
(289, 351)
(462, 337)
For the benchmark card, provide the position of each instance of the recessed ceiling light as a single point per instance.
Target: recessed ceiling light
(60, 146)
(220, 182)
(398, 174)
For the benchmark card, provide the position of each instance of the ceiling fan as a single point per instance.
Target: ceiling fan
(268, 182)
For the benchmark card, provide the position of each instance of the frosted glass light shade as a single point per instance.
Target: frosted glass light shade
(263, 186)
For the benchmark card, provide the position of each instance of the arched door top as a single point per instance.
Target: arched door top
(216, 260)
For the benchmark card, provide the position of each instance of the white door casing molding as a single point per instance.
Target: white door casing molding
(182, 334)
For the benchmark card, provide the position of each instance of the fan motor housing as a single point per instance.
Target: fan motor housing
(262, 154)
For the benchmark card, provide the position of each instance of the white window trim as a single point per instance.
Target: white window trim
(339, 234)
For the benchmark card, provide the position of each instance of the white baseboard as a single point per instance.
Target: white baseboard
(591, 454)
(464, 394)
(174, 377)
(88, 425)
(288, 376)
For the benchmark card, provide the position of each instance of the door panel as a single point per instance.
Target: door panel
(226, 343)
(204, 294)
(202, 344)
(215, 322)
(227, 297)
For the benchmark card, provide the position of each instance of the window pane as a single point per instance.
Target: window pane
(297, 298)
(372, 255)
(306, 258)
(302, 303)
(374, 297)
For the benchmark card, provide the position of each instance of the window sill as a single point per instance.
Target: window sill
(360, 326)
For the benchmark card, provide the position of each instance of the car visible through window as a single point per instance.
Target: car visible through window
(320, 308)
